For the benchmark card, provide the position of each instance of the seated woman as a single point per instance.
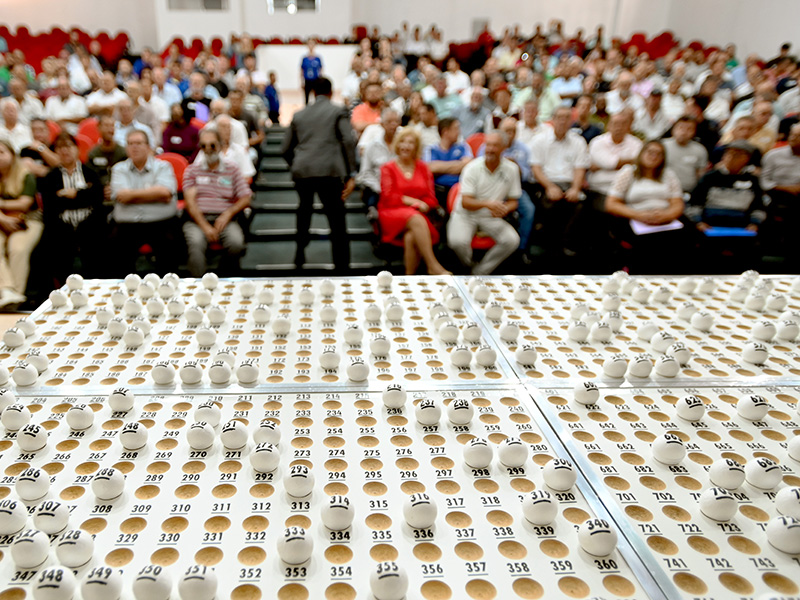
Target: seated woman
(180, 136)
(74, 222)
(650, 200)
(20, 227)
(407, 197)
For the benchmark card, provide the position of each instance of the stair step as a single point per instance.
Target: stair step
(272, 164)
(285, 224)
(286, 199)
(279, 256)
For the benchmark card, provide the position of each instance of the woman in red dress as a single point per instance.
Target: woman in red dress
(407, 197)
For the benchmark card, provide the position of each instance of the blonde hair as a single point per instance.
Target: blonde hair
(13, 184)
(404, 133)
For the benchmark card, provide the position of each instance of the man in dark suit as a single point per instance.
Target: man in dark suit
(320, 150)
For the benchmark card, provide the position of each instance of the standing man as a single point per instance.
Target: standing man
(310, 70)
(320, 151)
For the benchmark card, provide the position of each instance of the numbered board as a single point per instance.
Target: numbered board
(692, 554)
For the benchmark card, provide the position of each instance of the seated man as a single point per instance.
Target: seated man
(65, 108)
(215, 194)
(687, 159)
(428, 126)
(585, 123)
(490, 187)
(369, 111)
(448, 158)
(143, 190)
(127, 123)
(105, 100)
(472, 115)
(12, 130)
(559, 159)
(229, 150)
(780, 178)
(376, 154)
(611, 151)
(38, 157)
(651, 123)
(742, 131)
(106, 154)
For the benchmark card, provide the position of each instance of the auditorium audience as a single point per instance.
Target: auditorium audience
(37, 156)
(780, 178)
(105, 100)
(611, 151)
(127, 123)
(106, 154)
(448, 158)
(686, 158)
(377, 153)
(473, 114)
(12, 130)
(180, 135)
(66, 108)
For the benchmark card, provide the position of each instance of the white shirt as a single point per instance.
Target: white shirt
(429, 136)
(615, 103)
(238, 132)
(456, 82)
(673, 106)
(719, 109)
(559, 158)
(604, 153)
(789, 101)
(30, 108)
(526, 134)
(158, 106)
(103, 100)
(480, 183)
(121, 133)
(370, 134)
(651, 127)
(258, 78)
(236, 154)
(74, 107)
(351, 86)
(19, 137)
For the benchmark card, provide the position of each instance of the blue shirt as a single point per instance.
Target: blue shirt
(519, 153)
(457, 151)
(272, 98)
(312, 67)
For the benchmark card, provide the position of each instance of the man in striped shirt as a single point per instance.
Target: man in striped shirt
(215, 193)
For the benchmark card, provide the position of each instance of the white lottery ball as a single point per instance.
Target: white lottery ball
(615, 366)
(661, 341)
(373, 313)
(14, 337)
(299, 481)
(133, 436)
(611, 285)
(219, 372)
(75, 281)
(600, 331)
(202, 298)
(718, 504)
(481, 293)
(210, 281)
(471, 332)
(522, 294)
(690, 408)
(198, 582)
(166, 290)
(247, 289)
(267, 432)
(58, 298)
(707, 285)
(30, 549)
(103, 315)
(434, 308)
(4, 375)
(420, 511)
(7, 398)
(764, 331)
(50, 516)
(38, 360)
(540, 507)
(586, 393)
(80, 416)
(788, 331)
(262, 314)
(614, 320)
(13, 516)
(266, 296)
(394, 396)
(454, 302)
(509, 332)
(176, 307)
(679, 352)
(102, 583)
(132, 307)
(460, 356)
(233, 435)
(559, 474)
(513, 452)
(755, 353)
(448, 332)
(327, 288)
(200, 436)
(384, 279)
(668, 449)
(337, 514)
(755, 301)
(163, 373)
(74, 548)
(216, 315)
(15, 417)
(687, 285)
(478, 453)
(132, 281)
(794, 448)
(328, 313)
(494, 311)
(641, 294)
(787, 501)
(726, 473)
(79, 298)
(526, 354)
(597, 537)
(646, 331)
(191, 373)
(306, 296)
(578, 310)
(752, 407)
(740, 292)
(193, 315)
(460, 411)
(686, 310)
(784, 534)
(329, 358)
(55, 583)
(440, 318)
(295, 546)
(667, 366)
(388, 581)
(155, 307)
(763, 473)
(379, 345)
(640, 366)
(428, 412)
(153, 279)
(227, 356)
(152, 582)
(133, 337)
(108, 483)
(791, 315)
(208, 412)
(32, 438)
(612, 301)
(265, 458)
(590, 318)
(26, 326)
(24, 374)
(281, 326)
(485, 356)
(247, 372)
(662, 294)
(796, 284)
(121, 400)
(146, 290)
(394, 312)
(353, 334)
(776, 301)
(357, 370)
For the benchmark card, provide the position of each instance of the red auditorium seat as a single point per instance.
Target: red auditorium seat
(216, 46)
(195, 49)
(479, 242)
(54, 128)
(89, 129)
(475, 141)
(84, 145)
(178, 163)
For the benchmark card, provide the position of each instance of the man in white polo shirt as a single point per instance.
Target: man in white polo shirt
(490, 188)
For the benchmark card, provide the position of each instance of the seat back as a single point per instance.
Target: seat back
(90, 129)
(178, 164)
(84, 145)
(475, 141)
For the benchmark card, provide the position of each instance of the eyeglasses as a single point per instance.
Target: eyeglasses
(208, 146)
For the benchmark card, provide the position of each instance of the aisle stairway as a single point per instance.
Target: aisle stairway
(271, 246)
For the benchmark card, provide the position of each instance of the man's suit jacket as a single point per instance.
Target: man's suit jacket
(320, 142)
